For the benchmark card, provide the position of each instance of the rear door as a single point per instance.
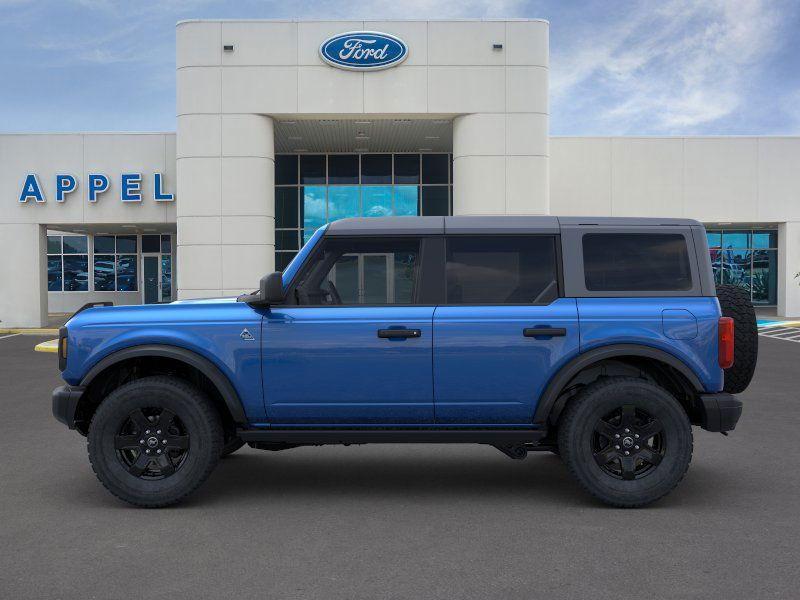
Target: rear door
(503, 330)
(357, 348)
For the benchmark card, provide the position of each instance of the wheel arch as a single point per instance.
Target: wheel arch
(552, 400)
(227, 399)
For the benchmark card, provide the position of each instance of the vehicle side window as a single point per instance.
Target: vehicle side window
(636, 262)
(361, 271)
(501, 269)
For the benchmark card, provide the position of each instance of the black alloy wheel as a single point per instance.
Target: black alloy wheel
(628, 443)
(152, 443)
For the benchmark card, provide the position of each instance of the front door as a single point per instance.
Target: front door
(356, 346)
(503, 331)
(156, 278)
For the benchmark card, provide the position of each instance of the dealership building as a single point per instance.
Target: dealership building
(283, 126)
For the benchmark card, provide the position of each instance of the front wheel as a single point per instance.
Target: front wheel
(627, 441)
(153, 441)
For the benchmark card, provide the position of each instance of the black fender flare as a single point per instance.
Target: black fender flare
(205, 366)
(547, 409)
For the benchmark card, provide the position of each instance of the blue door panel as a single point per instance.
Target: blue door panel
(683, 327)
(327, 365)
(486, 371)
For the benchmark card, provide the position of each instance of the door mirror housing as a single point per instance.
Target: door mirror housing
(271, 288)
(270, 291)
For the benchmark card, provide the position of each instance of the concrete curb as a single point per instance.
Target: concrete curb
(48, 346)
(29, 331)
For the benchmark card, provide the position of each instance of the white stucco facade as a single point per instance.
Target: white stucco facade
(488, 77)
(251, 92)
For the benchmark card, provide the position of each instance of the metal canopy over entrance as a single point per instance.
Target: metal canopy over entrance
(362, 135)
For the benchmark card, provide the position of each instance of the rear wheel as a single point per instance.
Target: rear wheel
(735, 303)
(627, 441)
(153, 441)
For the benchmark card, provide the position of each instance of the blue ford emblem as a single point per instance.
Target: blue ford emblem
(363, 50)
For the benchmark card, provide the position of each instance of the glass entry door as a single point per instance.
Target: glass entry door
(151, 287)
(156, 278)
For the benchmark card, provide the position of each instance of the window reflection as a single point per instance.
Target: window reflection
(747, 258)
(311, 190)
(343, 202)
(313, 206)
(406, 203)
(377, 201)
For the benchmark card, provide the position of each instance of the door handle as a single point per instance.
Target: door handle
(544, 331)
(399, 333)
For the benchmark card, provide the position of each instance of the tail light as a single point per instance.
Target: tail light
(725, 342)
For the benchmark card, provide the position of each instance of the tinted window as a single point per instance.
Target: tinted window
(376, 168)
(501, 270)
(126, 243)
(151, 243)
(104, 243)
(285, 207)
(312, 168)
(343, 168)
(54, 244)
(406, 168)
(285, 169)
(365, 271)
(434, 201)
(434, 168)
(75, 244)
(636, 262)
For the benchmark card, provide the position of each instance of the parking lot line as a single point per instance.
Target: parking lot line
(2, 337)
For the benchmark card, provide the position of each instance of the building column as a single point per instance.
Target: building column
(788, 265)
(501, 164)
(24, 275)
(226, 222)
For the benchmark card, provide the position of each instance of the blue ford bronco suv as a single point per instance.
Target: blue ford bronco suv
(602, 340)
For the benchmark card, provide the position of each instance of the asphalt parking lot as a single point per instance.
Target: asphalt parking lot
(398, 522)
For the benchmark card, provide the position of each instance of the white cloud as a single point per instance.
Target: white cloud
(671, 69)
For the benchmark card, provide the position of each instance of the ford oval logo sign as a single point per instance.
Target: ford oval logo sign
(363, 50)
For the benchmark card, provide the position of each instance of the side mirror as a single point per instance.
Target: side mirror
(271, 288)
(270, 291)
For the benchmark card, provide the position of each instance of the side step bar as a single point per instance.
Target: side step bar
(504, 437)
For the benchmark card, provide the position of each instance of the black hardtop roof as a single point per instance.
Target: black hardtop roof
(488, 224)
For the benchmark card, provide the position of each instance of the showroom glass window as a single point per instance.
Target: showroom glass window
(67, 263)
(115, 263)
(314, 189)
(747, 258)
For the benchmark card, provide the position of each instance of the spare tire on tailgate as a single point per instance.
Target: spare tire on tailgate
(735, 303)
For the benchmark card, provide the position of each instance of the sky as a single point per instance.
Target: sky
(617, 67)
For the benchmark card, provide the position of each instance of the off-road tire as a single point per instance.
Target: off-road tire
(577, 435)
(196, 414)
(735, 303)
(230, 446)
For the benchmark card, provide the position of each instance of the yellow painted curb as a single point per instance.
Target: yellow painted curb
(48, 346)
(31, 331)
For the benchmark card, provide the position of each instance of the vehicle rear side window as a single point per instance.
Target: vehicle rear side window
(644, 262)
(501, 270)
